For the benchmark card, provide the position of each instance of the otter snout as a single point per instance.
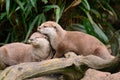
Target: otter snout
(38, 29)
(30, 40)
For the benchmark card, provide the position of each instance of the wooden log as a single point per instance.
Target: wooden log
(72, 66)
(35, 69)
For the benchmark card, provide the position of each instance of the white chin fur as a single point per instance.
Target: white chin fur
(41, 30)
(47, 30)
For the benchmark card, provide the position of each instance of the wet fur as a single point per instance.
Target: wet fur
(73, 41)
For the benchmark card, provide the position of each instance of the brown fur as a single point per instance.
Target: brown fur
(14, 53)
(73, 41)
(41, 45)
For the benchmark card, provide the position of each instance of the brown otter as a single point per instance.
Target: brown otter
(42, 48)
(73, 41)
(15, 53)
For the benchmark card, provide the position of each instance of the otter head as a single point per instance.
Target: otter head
(49, 28)
(38, 40)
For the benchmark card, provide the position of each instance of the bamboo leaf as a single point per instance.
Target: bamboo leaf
(115, 42)
(96, 13)
(20, 5)
(45, 1)
(49, 7)
(41, 19)
(7, 39)
(28, 11)
(111, 9)
(3, 15)
(33, 2)
(108, 8)
(24, 22)
(101, 34)
(62, 9)
(76, 27)
(86, 4)
(93, 29)
(31, 25)
(7, 6)
(88, 27)
(57, 14)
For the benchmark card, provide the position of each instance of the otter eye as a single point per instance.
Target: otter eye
(45, 26)
(30, 40)
(54, 27)
(45, 37)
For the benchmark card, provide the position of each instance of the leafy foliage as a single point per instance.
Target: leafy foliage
(19, 18)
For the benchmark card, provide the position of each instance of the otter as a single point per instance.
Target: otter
(15, 53)
(42, 47)
(73, 41)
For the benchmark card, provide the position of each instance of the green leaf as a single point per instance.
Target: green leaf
(20, 5)
(88, 27)
(111, 9)
(28, 11)
(106, 6)
(33, 2)
(7, 7)
(86, 5)
(49, 7)
(41, 19)
(7, 39)
(100, 33)
(31, 25)
(62, 9)
(3, 15)
(83, 9)
(12, 35)
(93, 29)
(76, 27)
(24, 22)
(96, 13)
(45, 1)
(57, 14)
(115, 43)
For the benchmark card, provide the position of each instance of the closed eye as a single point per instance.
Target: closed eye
(37, 37)
(45, 37)
(45, 26)
(54, 27)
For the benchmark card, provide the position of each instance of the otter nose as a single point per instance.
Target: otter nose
(39, 28)
(30, 40)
